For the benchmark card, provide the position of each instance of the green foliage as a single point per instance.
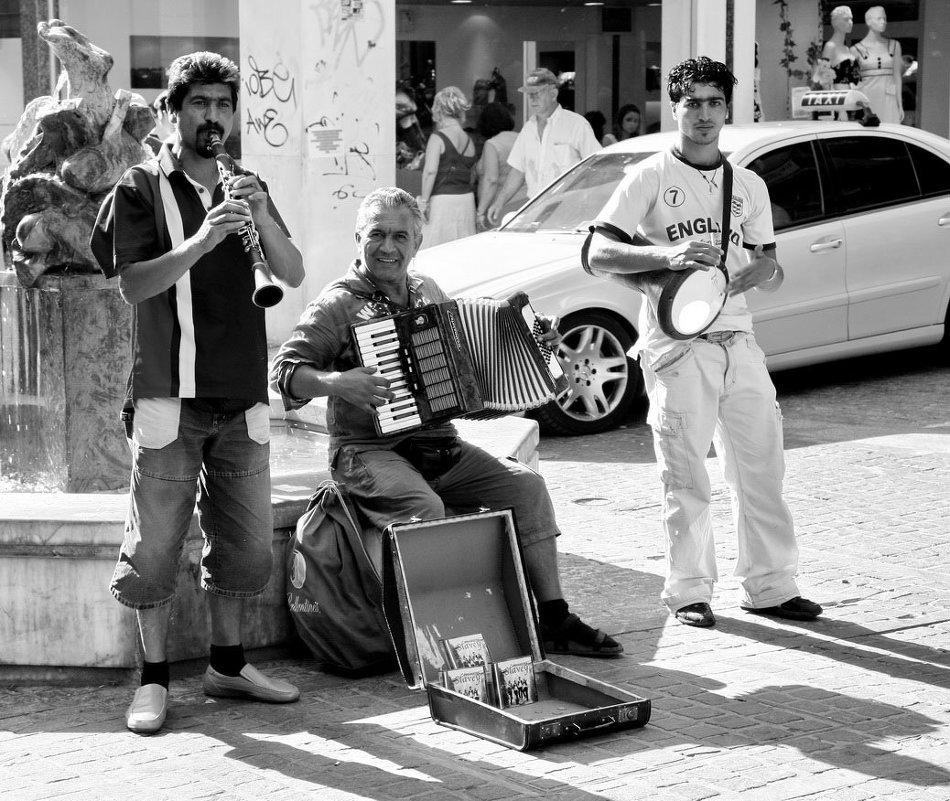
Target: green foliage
(789, 56)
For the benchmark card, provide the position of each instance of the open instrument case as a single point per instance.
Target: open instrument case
(465, 575)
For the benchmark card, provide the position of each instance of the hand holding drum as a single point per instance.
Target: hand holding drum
(689, 294)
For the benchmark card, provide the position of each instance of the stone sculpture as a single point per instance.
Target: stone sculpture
(66, 153)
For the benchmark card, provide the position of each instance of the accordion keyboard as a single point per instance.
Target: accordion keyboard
(417, 366)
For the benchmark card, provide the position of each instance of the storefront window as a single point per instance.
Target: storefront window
(903, 21)
(151, 55)
(9, 19)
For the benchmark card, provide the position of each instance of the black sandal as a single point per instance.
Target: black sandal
(575, 638)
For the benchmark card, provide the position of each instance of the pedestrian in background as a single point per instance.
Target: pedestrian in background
(164, 127)
(447, 196)
(496, 125)
(626, 124)
(598, 124)
(552, 141)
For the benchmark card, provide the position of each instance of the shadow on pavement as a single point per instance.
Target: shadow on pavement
(615, 599)
(373, 738)
(833, 728)
(851, 644)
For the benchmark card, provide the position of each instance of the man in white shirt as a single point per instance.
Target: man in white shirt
(713, 387)
(552, 140)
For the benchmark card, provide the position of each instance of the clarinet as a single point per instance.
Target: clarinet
(266, 292)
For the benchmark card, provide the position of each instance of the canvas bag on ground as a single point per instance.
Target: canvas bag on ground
(334, 591)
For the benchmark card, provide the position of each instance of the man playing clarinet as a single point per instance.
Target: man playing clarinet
(197, 411)
(400, 476)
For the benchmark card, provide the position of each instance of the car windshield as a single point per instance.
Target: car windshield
(577, 196)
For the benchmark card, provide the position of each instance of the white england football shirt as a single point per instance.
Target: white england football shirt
(670, 201)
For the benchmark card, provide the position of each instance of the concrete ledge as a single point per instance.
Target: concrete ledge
(58, 551)
(512, 435)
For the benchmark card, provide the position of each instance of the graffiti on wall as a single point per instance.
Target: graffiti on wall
(321, 97)
(346, 134)
(272, 101)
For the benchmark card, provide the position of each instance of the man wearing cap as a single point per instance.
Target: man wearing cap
(552, 140)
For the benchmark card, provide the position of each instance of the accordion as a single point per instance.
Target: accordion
(471, 357)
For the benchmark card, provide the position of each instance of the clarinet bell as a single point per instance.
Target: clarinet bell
(266, 292)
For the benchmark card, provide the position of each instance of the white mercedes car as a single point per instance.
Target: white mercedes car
(862, 219)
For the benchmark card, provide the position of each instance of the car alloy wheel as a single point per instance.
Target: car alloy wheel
(602, 381)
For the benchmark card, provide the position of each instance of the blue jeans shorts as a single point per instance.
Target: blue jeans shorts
(178, 450)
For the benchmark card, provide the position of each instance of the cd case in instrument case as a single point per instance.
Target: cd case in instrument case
(457, 577)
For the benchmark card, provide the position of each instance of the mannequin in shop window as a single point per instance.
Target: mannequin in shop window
(837, 53)
(880, 61)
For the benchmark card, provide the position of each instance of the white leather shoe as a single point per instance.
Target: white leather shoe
(146, 713)
(250, 684)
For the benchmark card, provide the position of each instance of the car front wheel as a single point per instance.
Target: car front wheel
(602, 381)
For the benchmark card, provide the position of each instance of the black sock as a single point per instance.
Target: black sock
(228, 660)
(552, 613)
(155, 673)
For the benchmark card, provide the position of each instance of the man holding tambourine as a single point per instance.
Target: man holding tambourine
(704, 373)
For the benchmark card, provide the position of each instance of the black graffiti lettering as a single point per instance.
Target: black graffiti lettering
(276, 81)
(272, 132)
(346, 192)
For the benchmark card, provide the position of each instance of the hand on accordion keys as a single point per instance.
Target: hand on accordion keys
(364, 387)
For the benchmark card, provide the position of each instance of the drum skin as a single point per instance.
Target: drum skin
(690, 301)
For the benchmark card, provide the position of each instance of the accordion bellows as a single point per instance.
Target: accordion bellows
(471, 357)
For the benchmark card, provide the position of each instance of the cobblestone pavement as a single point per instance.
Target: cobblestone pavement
(853, 706)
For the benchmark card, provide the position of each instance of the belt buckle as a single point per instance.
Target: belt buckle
(719, 337)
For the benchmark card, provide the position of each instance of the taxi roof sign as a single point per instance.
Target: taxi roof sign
(832, 100)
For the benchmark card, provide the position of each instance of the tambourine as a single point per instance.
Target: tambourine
(690, 301)
(687, 301)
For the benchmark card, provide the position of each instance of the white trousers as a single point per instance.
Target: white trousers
(703, 393)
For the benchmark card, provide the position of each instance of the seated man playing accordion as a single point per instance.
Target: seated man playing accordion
(400, 476)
